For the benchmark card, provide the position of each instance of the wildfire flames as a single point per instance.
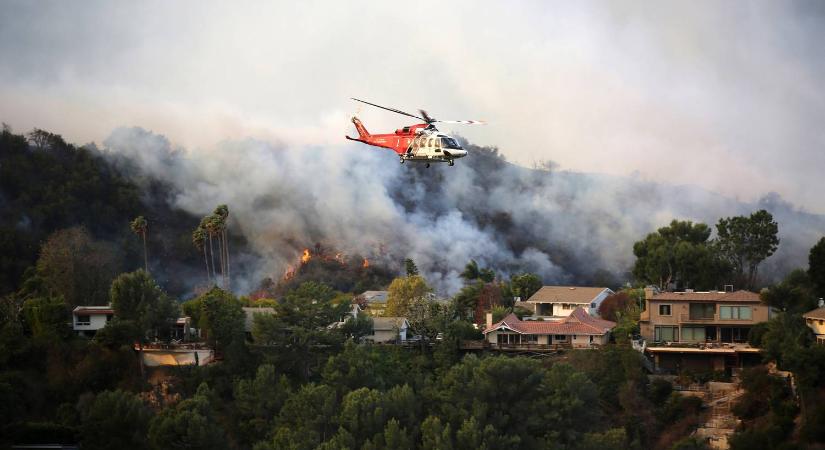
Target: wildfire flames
(366, 263)
(306, 256)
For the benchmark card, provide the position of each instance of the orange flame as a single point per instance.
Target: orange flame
(290, 272)
(366, 263)
(306, 256)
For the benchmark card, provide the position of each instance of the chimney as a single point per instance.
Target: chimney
(650, 291)
(489, 320)
(821, 303)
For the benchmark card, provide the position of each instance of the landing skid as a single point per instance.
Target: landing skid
(426, 161)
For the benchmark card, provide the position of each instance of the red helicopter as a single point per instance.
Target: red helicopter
(418, 143)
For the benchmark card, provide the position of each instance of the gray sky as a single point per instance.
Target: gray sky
(725, 95)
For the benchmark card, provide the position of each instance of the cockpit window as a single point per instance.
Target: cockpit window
(447, 142)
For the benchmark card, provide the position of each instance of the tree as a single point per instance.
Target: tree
(525, 285)
(199, 237)
(139, 227)
(678, 254)
(795, 294)
(191, 424)
(473, 272)
(358, 327)
(816, 267)
(76, 267)
(258, 402)
(115, 419)
(403, 291)
(137, 298)
(410, 267)
(744, 242)
(434, 435)
(613, 304)
(220, 313)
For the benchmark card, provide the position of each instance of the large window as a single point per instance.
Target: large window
(702, 311)
(664, 310)
(693, 334)
(665, 334)
(83, 320)
(735, 312)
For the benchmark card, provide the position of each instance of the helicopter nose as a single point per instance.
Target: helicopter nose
(458, 153)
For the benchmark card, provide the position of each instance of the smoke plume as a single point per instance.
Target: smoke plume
(568, 227)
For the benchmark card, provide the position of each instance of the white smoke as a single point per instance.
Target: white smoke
(567, 227)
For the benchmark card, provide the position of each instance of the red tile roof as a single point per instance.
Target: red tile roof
(818, 313)
(578, 322)
(714, 296)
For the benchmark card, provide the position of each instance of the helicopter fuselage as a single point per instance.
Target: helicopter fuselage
(416, 143)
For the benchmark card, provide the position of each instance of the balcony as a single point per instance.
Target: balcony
(687, 318)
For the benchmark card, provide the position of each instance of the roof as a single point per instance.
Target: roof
(389, 323)
(578, 322)
(818, 313)
(566, 294)
(713, 296)
(91, 310)
(250, 314)
(375, 296)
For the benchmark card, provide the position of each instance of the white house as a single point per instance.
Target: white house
(560, 301)
(578, 330)
(86, 320)
(389, 329)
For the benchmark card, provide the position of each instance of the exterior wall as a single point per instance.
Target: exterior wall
(96, 322)
(563, 309)
(384, 335)
(578, 341)
(680, 317)
(818, 327)
(598, 301)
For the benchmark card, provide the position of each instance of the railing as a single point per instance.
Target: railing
(480, 345)
(686, 317)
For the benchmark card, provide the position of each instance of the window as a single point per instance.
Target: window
(560, 338)
(664, 310)
(84, 319)
(693, 334)
(735, 312)
(665, 334)
(702, 311)
(593, 305)
(447, 142)
(430, 143)
(109, 317)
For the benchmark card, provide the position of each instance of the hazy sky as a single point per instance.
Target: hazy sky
(726, 95)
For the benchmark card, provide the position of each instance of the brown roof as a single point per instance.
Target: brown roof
(578, 322)
(818, 313)
(92, 310)
(713, 296)
(566, 294)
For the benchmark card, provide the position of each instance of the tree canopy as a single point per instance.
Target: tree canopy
(744, 242)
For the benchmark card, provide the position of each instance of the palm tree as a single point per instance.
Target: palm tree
(139, 227)
(222, 213)
(199, 239)
(212, 224)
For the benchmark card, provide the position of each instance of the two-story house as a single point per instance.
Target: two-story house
(701, 330)
(560, 301)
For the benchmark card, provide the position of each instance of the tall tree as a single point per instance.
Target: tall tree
(137, 298)
(678, 254)
(77, 267)
(222, 213)
(410, 267)
(525, 285)
(403, 291)
(139, 227)
(199, 240)
(115, 419)
(189, 424)
(745, 242)
(816, 267)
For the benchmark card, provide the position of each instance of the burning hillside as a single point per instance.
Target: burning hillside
(566, 227)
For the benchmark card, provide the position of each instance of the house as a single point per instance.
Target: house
(389, 329)
(249, 319)
(701, 331)
(373, 303)
(560, 301)
(577, 330)
(816, 321)
(182, 329)
(86, 320)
